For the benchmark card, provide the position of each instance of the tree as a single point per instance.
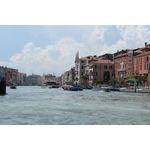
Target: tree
(84, 80)
(95, 82)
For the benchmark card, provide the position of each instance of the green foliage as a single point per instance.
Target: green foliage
(85, 77)
(95, 82)
(113, 82)
(142, 79)
(130, 76)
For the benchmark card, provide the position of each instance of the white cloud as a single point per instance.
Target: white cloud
(59, 57)
(131, 37)
(55, 58)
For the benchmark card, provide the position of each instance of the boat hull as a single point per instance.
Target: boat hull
(72, 88)
(106, 89)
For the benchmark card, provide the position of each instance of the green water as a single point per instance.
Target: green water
(33, 105)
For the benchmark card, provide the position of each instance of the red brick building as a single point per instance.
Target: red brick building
(141, 62)
(100, 67)
(12, 76)
(123, 62)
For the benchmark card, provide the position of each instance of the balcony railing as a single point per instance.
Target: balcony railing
(122, 69)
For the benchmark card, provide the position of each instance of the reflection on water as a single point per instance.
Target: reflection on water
(41, 106)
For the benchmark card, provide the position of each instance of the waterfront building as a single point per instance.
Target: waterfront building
(141, 62)
(103, 70)
(82, 67)
(63, 79)
(71, 77)
(123, 61)
(12, 76)
(49, 78)
(34, 80)
(106, 56)
(58, 80)
(21, 78)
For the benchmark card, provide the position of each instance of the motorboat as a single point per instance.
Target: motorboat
(88, 87)
(72, 87)
(114, 89)
(101, 88)
(13, 86)
(50, 85)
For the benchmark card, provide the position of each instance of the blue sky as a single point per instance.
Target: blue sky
(51, 48)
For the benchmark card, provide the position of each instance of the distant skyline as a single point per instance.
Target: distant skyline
(51, 49)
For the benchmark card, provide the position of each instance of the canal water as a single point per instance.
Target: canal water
(33, 105)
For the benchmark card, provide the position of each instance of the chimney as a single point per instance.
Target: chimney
(145, 44)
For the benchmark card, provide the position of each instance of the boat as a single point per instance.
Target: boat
(88, 87)
(143, 91)
(122, 89)
(50, 85)
(101, 88)
(115, 89)
(13, 87)
(53, 86)
(72, 87)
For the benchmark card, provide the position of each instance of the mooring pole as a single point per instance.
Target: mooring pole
(2, 86)
(135, 84)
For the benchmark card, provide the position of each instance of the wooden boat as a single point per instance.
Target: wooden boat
(50, 85)
(72, 88)
(13, 87)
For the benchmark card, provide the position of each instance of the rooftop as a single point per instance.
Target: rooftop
(101, 61)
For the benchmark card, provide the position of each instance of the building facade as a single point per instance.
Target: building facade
(103, 70)
(141, 63)
(12, 76)
(34, 80)
(123, 62)
(83, 67)
(21, 79)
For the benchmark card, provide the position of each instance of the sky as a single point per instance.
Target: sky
(42, 49)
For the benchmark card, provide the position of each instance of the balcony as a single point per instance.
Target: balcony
(122, 69)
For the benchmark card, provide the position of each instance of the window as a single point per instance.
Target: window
(82, 73)
(137, 61)
(129, 57)
(95, 66)
(95, 73)
(82, 67)
(141, 60)
(133, 68)
(133, 61)
(145, 59)
(137, 68)
(82, 61)
(110, 67)
(145, 67)
(105, 66)
(140, 67)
